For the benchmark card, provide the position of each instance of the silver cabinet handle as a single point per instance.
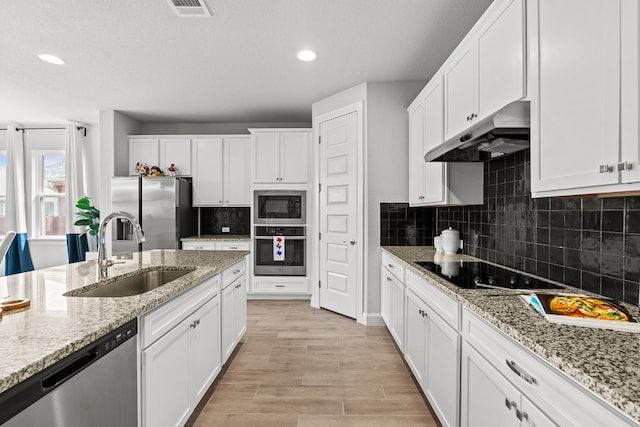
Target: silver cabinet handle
(279, 286)
(390, 265)
(606, 168)
(521, 415)
(352, 242)
(232, 247)
(236, 271)
(510, 403)
(515, 368)
(625, 166)
(388, 279)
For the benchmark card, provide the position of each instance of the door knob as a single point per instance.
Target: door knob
(352, 242)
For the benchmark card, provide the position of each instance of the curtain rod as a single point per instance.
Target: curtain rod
(23, 129)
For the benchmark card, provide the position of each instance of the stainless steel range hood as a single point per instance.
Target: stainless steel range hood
(505, 132)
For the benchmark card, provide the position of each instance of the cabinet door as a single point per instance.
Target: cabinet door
(533, 417)
(294, 157)
(460, 91)
(443, 369)
(435, 174)
(237, 172)
(576, 110)
(385, 296)
(228, 335)
(266, 160)
(165, 379)
(630, 90)
(178, 152)
(204, 348)
(142, 151)
(207, 177)
(487, 398)
(501, 59)
(240, 307)
(417, 166)
(416, 335)
(397, 312)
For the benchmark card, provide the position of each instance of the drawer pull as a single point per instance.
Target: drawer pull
(521, 415)
(390, 265)
(232, 247)
(388, 279)
(236, 271)
(279, 286)
(515, 368)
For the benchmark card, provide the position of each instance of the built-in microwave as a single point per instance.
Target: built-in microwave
(281, 207)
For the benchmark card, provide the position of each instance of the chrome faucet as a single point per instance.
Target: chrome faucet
(104, 264)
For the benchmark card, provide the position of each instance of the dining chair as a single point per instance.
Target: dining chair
(5, 243)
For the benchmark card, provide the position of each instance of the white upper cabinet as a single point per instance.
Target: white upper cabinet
(160, 152)
(178, 152)
(487, 70)
(208, 175)
(437, 183)
(584, 97)
(281, 155)
(221, 171)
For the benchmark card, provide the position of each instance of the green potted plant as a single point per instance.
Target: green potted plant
(88, 216)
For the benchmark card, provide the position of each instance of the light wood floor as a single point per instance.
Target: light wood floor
(299, 366)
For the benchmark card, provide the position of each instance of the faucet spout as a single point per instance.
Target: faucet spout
(103, 263)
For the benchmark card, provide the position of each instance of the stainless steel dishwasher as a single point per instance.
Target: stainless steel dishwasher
(95, 386)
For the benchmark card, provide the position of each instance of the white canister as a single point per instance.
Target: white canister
(450, 241)
(437, 242)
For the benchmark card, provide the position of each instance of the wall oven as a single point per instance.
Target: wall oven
(281, 207)
(293, 260)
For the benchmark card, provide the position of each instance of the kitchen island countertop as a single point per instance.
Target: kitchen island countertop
(604, 361)
(54, 326)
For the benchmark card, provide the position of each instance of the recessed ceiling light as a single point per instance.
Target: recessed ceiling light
(306, 55)
(50, 59)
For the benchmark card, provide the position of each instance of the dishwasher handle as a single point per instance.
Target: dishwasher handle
(66, 372)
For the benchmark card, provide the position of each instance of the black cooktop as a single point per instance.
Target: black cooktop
(480, 275)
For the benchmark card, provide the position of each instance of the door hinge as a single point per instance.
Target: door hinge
(319, 284)
(319, 236)
(319, 187)
(319, 140)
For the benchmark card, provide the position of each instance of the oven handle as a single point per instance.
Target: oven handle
(285, 237)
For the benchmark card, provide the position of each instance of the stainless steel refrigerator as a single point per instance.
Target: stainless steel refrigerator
(162, 205)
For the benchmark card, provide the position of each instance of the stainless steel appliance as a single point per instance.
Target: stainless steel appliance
(280, 207)
(504, 132)
(95, 386)
(481, 275)
(295, 249)
(162, 206)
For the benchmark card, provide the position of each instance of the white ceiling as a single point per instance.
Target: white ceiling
(239, 65)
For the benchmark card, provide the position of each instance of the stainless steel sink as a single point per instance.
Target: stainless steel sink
(132, 285)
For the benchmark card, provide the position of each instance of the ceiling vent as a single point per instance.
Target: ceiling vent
(189, 8)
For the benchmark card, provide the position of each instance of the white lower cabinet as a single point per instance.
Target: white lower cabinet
(504, 384)
(432, 349)
(234, 314)
(393, 302)
(179, 367)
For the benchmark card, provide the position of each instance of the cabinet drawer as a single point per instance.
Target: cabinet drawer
(233, 272)
(442, 304)
(190, 246)
(395, 267)
(162, 319)
(562, 398)
(298, 287)
(233, 246)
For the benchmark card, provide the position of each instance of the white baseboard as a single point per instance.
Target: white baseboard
(372, 319)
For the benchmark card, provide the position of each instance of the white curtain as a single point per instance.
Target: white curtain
(74, 190)
(18, 259)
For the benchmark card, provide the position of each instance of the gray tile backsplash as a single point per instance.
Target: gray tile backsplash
(589, 243)
(213, 219)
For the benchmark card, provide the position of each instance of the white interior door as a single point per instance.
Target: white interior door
(338, 214)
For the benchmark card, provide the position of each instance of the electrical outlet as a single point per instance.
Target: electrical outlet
(226, 229)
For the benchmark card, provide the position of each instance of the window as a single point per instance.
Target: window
(50, 203)
(3, 192)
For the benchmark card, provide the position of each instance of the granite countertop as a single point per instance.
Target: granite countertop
(54, 326)
(216, 237)
(604, 361)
